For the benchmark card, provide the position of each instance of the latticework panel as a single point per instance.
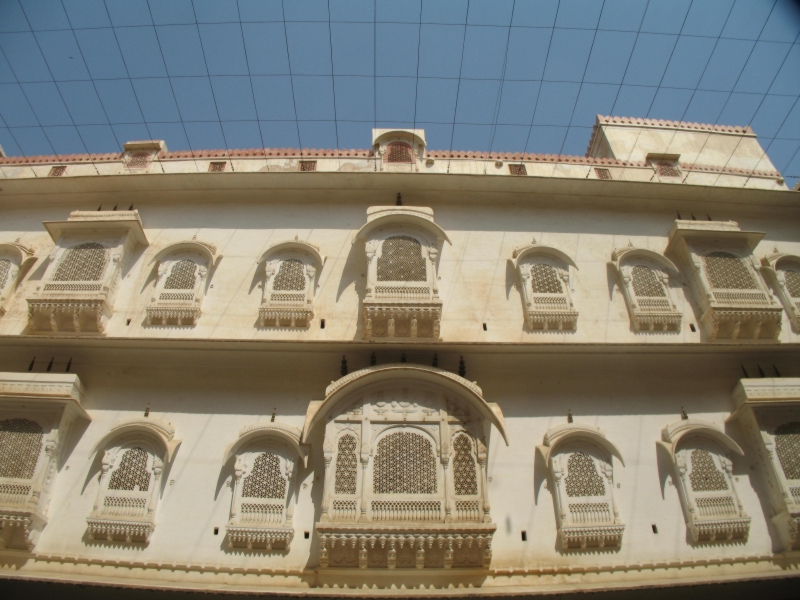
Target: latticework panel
(5, 269)
(402, 260)
(20, 445)
(668, 170)
(404, 464)
(291, 276)
(545, 280)
(602, 173)
(645, 283)
(183, 276)
(787, 445)
(140, 160)
(464, 478)
(399, 153)
(582, 477)
(728, 272)
(518, 170)
(86, 262)
(705, 476)
(131, 472)
(346, 465)
(266, 479)
(792, 279)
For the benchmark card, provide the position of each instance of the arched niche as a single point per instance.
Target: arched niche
(15, 261)
(783, 272)
(644, 277)
(700, 455)
(546, 277)
(291, 272)
(135, 452)
(405, 450)
(183, 277)
(264, 487)
(580, 460)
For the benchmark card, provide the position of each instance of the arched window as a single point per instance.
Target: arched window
(20, 447)
(266, 479)
(404, 464)
(5, 269)
(646, 284)
(131, 474)
(130, 486)
(787, 446)
(85, 262)
(182, 276)
(291, 276)
(544, 285)
(464, 473)
(401, 260)
(399, 152)
(582, 477)
(792, 279)
(727, 271)
(705, 475)
(346, 465)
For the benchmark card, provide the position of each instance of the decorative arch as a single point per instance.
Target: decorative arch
(161, 432)
(379, 217)
(349, 384)
(644, 280)
(396, 468)
(783, 273)
(579, 457)
(545, 281)
(205, 249)
(264, 486)
(699, 453)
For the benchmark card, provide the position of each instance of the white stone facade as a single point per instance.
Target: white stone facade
(403, 368)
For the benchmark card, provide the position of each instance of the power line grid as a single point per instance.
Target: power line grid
(297, 72)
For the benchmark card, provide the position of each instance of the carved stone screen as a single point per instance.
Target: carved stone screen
(466, 483)
(582, 477)
(266, 479)
(544, 280)
(728, 272)
(404, 464)
(399, 153)
(131, 472)
(645, 283)
(20, 445)
(787, 445)
(290, 277)
(182, 276)
(705, 476)
(86, 262)
(5, 268)
(792, 279)
(346, 464)
(402, 260)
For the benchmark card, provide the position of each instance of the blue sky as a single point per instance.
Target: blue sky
(500, 75)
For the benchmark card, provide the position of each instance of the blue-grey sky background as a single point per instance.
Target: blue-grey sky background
(501, 75)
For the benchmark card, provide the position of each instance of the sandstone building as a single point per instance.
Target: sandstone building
(397, 368)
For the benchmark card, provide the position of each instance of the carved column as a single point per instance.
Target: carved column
(290, 472)
(323, 551)
(420, 555)
(391, 555)
(484, 480)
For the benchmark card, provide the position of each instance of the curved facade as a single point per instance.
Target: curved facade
(402, 368)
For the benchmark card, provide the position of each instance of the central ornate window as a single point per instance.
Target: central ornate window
(404, 464)
(402, 296)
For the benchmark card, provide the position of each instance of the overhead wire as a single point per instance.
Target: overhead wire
(458, 88)
(291, 78)
(501, 84)
(544, 70)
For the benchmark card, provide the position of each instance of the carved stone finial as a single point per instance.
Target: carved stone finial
(435, 362)
(194, 237)
(344, 366)
(296, 238)
(462, 367)
(399, 199)
(147, 410)
(274, 410)
(774, 248)
(403, 357)
(16, 241)
(373, 360)
(684, 416)
(533, 240)
(630, 244)
(569, 415)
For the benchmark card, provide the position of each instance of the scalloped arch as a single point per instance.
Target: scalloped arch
(534, 249)
(209, 251)
(269, 430)
(162, 432)
(621, 255)
(576, 431)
